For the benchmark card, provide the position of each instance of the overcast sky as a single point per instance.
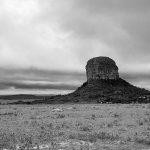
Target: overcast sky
(62, 35)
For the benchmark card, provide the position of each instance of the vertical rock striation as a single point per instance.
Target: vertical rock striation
(102, 68)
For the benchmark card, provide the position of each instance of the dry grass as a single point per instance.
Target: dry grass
(79, 126)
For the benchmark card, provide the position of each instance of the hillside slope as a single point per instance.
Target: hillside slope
(115, 91)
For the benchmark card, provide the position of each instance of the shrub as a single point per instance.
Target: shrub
(60, 116)
(86, 128)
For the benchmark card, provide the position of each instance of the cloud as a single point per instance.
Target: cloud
(26, 40)
(44, 34)
(63, 35)
(40, 79)
(38, 86)
(118, 29)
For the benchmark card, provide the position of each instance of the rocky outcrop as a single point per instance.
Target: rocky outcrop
(102, 68)
(104, 85)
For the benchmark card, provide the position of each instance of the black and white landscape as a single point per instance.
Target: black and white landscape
(74, 74)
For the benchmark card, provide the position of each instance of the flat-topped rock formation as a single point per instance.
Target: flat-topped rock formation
(104, 85)
(102, 68)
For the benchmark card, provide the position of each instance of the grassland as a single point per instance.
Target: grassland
(75, 126)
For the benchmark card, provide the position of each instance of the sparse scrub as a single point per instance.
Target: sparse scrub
(96, 124)
(143, 121)
(110, 125)
(93, 117)
(78, 124)
(65, 125)
(7, 139)
(86, 128)
(116, 115)
(60, 116)
(107, 136)
(93, 137)
(144, 141)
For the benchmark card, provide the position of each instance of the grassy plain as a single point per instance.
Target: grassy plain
(75, 126)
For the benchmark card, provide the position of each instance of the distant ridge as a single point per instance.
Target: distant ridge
(18, 96)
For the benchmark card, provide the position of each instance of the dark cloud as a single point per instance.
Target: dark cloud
(40, 79)
(37, 74)
(15, 85)
(117, 6)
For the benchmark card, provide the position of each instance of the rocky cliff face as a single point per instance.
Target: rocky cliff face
(102, 68)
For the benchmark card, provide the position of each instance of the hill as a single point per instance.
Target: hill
(113, 91)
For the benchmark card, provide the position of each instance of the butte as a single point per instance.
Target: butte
(104, 85)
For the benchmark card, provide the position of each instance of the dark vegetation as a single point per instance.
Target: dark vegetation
(110, 91)
(94, 91)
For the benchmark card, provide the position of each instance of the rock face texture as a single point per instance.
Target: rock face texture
(102, 68)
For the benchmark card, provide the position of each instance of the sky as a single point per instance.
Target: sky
(45, 44)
